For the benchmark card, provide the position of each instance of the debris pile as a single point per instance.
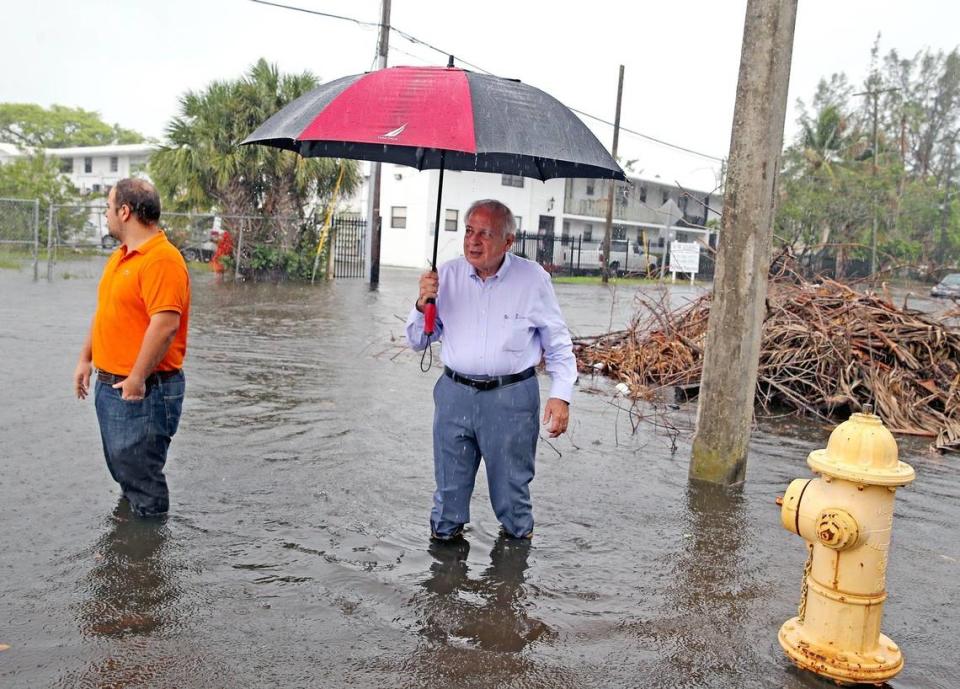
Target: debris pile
(826, 350)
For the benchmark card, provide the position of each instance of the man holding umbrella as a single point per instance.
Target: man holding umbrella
(497, 316)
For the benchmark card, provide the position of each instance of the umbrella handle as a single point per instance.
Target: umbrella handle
(429, 316)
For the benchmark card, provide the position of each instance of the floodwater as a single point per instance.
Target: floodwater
(296, 553)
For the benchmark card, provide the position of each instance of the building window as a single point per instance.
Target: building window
(683, 203)
(642, 193)
(588, 232)
(96, 189)
(519, 220)
(450, 220)
(512, 181)
(619, 232)
(88, 164)
(66, 165)
(565, 230)
(590, 186)
(665, 195)
(398, 216)
(114, 163)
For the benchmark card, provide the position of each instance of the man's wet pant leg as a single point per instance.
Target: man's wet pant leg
(456, 456)
(507, 432)
(136, 436)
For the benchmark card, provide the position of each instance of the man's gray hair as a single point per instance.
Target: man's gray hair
(507, 224)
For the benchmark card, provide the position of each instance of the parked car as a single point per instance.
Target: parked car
(637, 260)
(949, 286)
(202, 252)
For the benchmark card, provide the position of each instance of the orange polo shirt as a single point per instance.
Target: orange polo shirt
(136, 285)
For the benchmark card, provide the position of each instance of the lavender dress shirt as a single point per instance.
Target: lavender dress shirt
(500, 325)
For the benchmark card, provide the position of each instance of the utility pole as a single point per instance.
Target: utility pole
(732, 349)
(605, 267)
(945, 205)
(875, 94)
(373, 203)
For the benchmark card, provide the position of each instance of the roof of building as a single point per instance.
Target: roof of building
(107, 150)
(9, 150)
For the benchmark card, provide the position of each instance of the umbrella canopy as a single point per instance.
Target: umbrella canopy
(440, 117)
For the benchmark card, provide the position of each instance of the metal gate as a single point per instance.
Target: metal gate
(349, 240)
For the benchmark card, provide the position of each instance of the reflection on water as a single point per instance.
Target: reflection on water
(474, 630)
(488, 612)
(131, 589)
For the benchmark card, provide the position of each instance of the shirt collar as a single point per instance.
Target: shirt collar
(146, 246)
(507, 260)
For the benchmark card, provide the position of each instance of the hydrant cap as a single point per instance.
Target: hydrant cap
(863, 450)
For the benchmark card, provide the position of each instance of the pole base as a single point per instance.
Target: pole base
(841, 666)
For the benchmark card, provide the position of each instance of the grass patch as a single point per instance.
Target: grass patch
(597, 280)
(14, 259)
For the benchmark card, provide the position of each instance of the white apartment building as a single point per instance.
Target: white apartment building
(93, 169)
(649, 212)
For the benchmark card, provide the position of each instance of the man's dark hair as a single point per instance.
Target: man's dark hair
(140, 197)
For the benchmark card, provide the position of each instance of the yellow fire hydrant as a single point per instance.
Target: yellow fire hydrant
(845, 516)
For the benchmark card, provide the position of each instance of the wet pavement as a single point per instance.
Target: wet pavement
(296, 552)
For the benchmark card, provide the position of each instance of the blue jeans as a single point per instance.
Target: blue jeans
(136, 436)
(502, 427)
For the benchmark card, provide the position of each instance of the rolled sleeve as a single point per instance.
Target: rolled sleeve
(558, 356)
(416, 338)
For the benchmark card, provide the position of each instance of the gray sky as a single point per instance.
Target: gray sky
(130, 60)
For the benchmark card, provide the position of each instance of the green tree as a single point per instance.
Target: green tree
(203, 167)
(30, 126)
(35, 177)
(38, 177)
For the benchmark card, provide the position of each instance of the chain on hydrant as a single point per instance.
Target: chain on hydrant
(845, 516)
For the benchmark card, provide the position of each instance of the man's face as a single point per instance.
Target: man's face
(484, 244)
(113, 220)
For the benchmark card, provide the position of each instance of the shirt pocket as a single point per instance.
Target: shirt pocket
(519, 332)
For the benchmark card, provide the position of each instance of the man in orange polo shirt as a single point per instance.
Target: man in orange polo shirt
(137, 343)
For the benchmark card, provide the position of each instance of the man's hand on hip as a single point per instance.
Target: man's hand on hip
(555, 416)
(429, 284)
(131, 389)
(81, 379)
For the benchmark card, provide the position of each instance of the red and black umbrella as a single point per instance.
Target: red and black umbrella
(440, 118)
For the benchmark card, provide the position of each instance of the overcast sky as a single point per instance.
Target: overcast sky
(130, 60)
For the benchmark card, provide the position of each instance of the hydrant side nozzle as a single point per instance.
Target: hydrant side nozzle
(790, 504)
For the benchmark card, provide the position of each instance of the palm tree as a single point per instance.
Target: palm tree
(203, 167)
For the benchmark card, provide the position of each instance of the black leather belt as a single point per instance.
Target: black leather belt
(155, 377)
(488, 383)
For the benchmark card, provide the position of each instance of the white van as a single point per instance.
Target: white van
(637, 261)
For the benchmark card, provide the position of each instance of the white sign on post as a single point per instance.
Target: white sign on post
(684, 258)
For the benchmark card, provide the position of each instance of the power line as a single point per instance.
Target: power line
(317, 12)
(417, 41)
(648, 137)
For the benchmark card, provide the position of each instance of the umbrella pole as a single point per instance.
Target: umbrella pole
(430, 309)
(436, 224)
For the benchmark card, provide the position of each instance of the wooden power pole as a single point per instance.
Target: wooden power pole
(373, 187)
(605, 267)
(732, 350)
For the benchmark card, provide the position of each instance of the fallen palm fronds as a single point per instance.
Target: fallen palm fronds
(826, 349)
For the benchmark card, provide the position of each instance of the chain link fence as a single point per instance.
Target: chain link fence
(238, 247)
(20, 230)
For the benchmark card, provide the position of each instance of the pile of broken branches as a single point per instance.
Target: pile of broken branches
(826, 350)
